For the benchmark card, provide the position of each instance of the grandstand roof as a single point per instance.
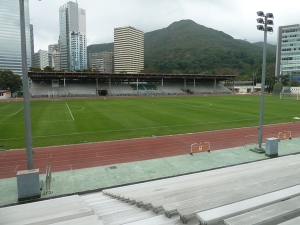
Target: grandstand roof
(142, 76)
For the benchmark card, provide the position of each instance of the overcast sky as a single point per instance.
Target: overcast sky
(234, 17)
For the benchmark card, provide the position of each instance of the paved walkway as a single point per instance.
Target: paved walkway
(98, 178)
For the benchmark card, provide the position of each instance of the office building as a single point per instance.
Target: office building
(40, 59)
(128, 50)
(71, 21)
(78, 51)
(101, 62)
(288, 51)
(10, 38)
(82, 21)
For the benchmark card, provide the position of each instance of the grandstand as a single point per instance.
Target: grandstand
(60, 84)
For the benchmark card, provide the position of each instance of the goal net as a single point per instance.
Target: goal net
(289, 96)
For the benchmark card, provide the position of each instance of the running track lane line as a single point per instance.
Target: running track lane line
(16, 168)
(70, 112)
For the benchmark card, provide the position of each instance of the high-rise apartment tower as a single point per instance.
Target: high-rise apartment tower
(128, 50)
(71, 21)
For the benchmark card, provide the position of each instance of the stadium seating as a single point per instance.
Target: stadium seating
(268, 191)
(38, 90)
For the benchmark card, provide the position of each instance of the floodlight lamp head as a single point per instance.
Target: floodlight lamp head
(260, 13)
(270, 15)
(270, 22)
(270, 29)
(260, 27)
(260, 20)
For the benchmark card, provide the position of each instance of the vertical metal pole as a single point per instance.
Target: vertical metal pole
(253, 84)
(262, 93)
(137, 84)
(215, 86)
(29, 152)
(109, 84)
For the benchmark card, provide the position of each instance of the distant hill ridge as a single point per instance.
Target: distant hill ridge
(187, 47)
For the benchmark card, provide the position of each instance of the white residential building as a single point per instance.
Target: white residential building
(40, 59)
(78, 51)
(128, 50)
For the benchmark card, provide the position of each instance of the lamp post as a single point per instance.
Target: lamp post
(29, 152)
(254, 75)
(266, 20)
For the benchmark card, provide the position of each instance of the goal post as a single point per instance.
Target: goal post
(290, 96)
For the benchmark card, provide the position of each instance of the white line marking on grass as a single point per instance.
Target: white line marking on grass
(14, 113)
(17, 111)
(70, 111)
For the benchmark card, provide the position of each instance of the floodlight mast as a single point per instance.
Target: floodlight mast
(29, 152)
(265, 29)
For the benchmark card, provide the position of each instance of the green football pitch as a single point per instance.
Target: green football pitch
(60, 122)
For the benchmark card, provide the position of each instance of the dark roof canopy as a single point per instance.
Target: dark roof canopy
(124, 76)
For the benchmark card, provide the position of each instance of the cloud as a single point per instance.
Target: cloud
(234, 17)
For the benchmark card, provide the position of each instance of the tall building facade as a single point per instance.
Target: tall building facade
(10, 36)
(54, 56)
(40, 59)
(71, 20)
(102, 62)
(78, 51)
(288, 51)
(128, 50)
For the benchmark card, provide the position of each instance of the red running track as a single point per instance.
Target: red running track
(71, 157)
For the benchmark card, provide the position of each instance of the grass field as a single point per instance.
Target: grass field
(59, 122)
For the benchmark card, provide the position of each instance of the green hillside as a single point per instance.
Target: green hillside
(187, 47)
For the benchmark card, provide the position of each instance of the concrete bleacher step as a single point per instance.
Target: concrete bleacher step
(190, 210)
(46, 212)
(163, 220)
(149, 188)
(271, 214)
(294, 221)
(127, 216)
(96, 199)
(87, 220)
(257, 216)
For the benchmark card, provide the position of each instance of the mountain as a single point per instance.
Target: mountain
(187, 47)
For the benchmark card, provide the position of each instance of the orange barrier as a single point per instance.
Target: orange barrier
(199, 147)
(284, 135)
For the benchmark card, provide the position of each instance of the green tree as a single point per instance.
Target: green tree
(33, 69)
(49, 69)
(295, 83)
(9, 80)
(277, 88)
